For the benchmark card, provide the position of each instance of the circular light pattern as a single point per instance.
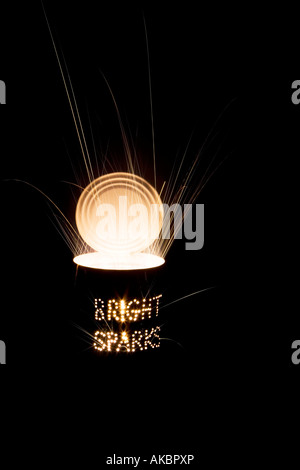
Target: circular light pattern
(120, 263)
(118, 214)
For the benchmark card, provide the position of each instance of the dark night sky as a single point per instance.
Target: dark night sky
(201, 63)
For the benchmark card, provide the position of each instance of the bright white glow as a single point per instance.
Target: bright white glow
(119, 214)
(129, 262)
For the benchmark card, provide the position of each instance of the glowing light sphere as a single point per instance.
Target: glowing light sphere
(119, 215)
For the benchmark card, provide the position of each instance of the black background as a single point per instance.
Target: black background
(229, 343)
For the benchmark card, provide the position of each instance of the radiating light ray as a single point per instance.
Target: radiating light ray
(93, 142)
(186, 296)
(151, 102)
(89, 337)
(73, 105)
(173, 341)
(188, 179)
(66, 220)
(123, 133)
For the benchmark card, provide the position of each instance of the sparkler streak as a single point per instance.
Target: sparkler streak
(49, 199)
(73, 106)
(151, 103)
(186, 296)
